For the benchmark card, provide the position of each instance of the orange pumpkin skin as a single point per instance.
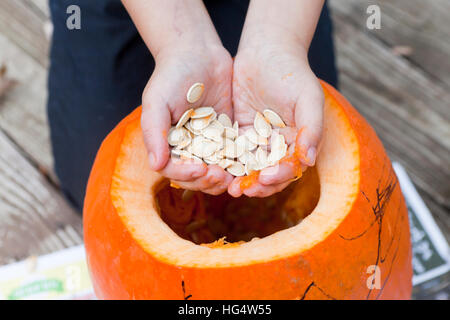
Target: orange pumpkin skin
(374, 233)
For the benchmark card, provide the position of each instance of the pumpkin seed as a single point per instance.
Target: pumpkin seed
(202, 112)
(246, 157)
(236, 169)
(202, 147)
(191, 130)
(236, 126)
(241, 145)
(212, 133)
(176, 152)
(273, 118)
(185, 142)
(185, 155)
(203, 136)
(217, 125)
(261, 157)
(278, 149)
(225, 120)
(213, 159)
(261, 125)
(195, 92)
(199, 124)
(225, 163)
(176, 135)
(184, 118)
(249, 146)
(251, 165)
(229, 149)
(255, 138)
(230, 133)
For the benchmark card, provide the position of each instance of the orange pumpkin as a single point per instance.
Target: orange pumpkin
(340, 232)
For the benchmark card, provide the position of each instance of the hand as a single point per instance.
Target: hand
(164, 101)
(275, 74)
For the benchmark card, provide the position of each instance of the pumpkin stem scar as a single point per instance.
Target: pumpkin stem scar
(184, 291)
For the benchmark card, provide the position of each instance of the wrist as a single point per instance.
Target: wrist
(165, 25)
(203, 51)
(193, 41)
(290, 23)
(272, 39)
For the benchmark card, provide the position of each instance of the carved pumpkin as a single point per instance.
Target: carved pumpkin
(340, 232)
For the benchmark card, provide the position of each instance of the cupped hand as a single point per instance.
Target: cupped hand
(164, 101)
(277, 76)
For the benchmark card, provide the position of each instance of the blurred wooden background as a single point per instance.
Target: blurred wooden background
(397, 77)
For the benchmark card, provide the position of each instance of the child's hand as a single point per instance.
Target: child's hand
(164, 101)
(276, 75)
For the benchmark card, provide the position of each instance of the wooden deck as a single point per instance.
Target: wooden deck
(405, 97)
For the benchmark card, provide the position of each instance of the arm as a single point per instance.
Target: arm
(288, 21)
(164, 24)
(186, 49)
(271, 71)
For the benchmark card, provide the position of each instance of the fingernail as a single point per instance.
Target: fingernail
(311, 156)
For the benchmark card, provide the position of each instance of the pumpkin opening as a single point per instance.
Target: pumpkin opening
(218, 220)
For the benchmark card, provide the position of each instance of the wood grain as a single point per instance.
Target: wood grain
(40, 7)
(21, 22)
(420, 25)
(34, 218)
(402, 102)
(23, 114)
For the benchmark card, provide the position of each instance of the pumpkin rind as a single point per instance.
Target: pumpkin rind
(375, 232)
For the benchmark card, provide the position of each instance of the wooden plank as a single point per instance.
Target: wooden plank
(23, 110)
(24, 27)
(408, 111)
(34, 218)
(417, 24)
(39, 6)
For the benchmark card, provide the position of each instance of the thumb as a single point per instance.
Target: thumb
(309, 121)
(155, 122)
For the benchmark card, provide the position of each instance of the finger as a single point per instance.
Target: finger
(283, 172)
(234, 188)
(221, 187)
(155, 122)
(261, 191)
(183, 170)
(309, 119)
(214, 179)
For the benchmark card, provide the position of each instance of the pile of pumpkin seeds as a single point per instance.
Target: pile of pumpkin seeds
(203, 136)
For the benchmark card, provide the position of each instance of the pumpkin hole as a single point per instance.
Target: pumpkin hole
(222, 219)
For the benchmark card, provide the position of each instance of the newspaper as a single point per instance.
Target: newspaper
(431, 253)
(64, 274)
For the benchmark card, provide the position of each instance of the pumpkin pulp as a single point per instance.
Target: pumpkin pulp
(222, 220)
